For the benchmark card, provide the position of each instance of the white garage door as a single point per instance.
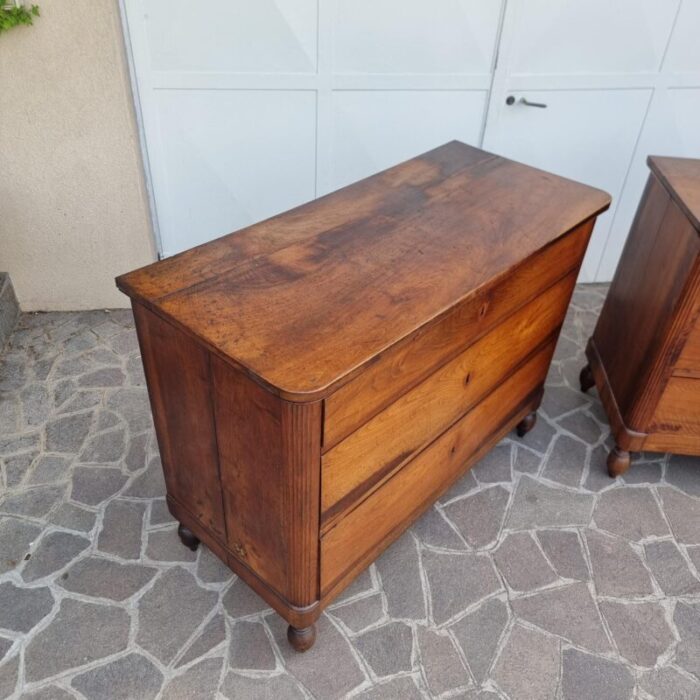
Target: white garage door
(250, 108)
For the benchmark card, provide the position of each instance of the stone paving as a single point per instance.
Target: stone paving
(536, 576)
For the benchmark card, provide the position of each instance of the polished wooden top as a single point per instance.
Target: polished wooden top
(681, 177)
(305, 299)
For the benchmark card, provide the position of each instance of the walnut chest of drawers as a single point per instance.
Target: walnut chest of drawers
(319, 379)
(644, 354)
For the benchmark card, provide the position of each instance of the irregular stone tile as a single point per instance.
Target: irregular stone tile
(210, 569)
(21, 609)
(558, 400)
(478, 517)
(476, 577)
(539, 437)
(563, 549)
(363, 583)
(565, 348)
(199, 681)
(160, 514)
(479, 633)
(598, 477)
(79, 634)
(399, 571)
(495, 465)
(150, 484)
(387, 649)
(49, 692)
(80, 342)
(103, 578)
(694, 554)
(528, 665)
(104, 447)
(526, 462)
(125, 342)
(136, 456)
(617, 569)
(55, 550)
(330, 671)
(440, 662)
(165, 545)
(249, 647)
(132, 405)
(479, 695)
(9, 414)
(12, 373)
(18, 443)
(35, 502)
(93, 485)
(361, 613)
(134, 368)
(36, 404)
(583, 426)
(132, 676)
(107, 419)
(49, 469)
(121, 529)
(282, 687)
(241, 600)
(537, 505)
(630, 513)
(211, 636)
(107, 329)
(9, 671)
(42, 368)
(569, 612)
(404, 688)
(669, 683)
(588, 677)
(522, 563)
(670, 569)
(63, 390)
(5, 646)
(566, 461)
(81, 401)
(639, 630)
(686, 617)
(644, 473)
(73, 517)
(67, 434)
(460, 488)
(175, 603)
(17, 468)
(16, 537)
(683, 512)
(103, 377)
(433, 530)
(683, 471)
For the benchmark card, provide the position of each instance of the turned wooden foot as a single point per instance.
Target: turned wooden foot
(187, 537)
(301, 639)
(526, 424)
(618, 462)
(586, 379)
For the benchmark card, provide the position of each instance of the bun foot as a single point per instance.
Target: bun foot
(301, 639)
(526, 424)
(586, 379)
(187, 537)
(618, 462)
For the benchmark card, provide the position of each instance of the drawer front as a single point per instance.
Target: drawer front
(678, 410)
(404, 365)
(688, 363)
(364, 532)
(389, 439)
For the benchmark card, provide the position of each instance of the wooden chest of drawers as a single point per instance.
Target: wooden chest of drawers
(319, 379)
(644, 354)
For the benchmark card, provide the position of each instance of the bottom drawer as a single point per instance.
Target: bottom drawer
(359, 537)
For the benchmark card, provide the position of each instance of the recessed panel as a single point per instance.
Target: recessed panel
(232, 35)
(373, 130)
(596, 36)
(683, 54)
(231, 158)
(415, 36)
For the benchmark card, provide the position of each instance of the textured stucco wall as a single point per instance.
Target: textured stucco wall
(73, 207)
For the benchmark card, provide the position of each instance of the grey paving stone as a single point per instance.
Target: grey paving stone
(694, 554)
(107, 419)
(461, 487)
(165, 545)
(683, 471)
(537, 505)
(359, 586)
(36, 403)
(478, 635)
(199, 682)
(150, 484)
(49, 692)
(404, 688)
(387, 649)
(132, 676)
(669, 683)
(17, 468)
(49, 469)
(104, 578)
(631, 513)
(103, 377)
(5, 646)
(640, 630)
(132, 405)
(210, 569)
(80, 401)
(34, 502)
(588, 677)
(528, 665)
(12, 373)
(121, 529)
(495, 465)
(237, 687)
(55, 550)
(566, 461)
(134, 368)
(583, 426)
(563, 549)
(478, 517)
(176, 603)
(23, 608)
(598, 477)
(16, 538)
(671, 569)
(73, 517)
(683, 512)
(9, 672)
(569, 612)
(644, 473)
(249, 647)
(433, 530)
(93, 485)
(540, 436)
(9, 414)
(522, 563)
(686, 617)
(104, 447)
(525, 461)
(359, 614)
(136, 456)
(443, 670)
(18, 443)
(211, 636)
(241, 601)
(125, 342)
(558, 400)
(457, 581)
(79, 634)
(617, 569)
(160, 515)
(68, 433)
(399, 571)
